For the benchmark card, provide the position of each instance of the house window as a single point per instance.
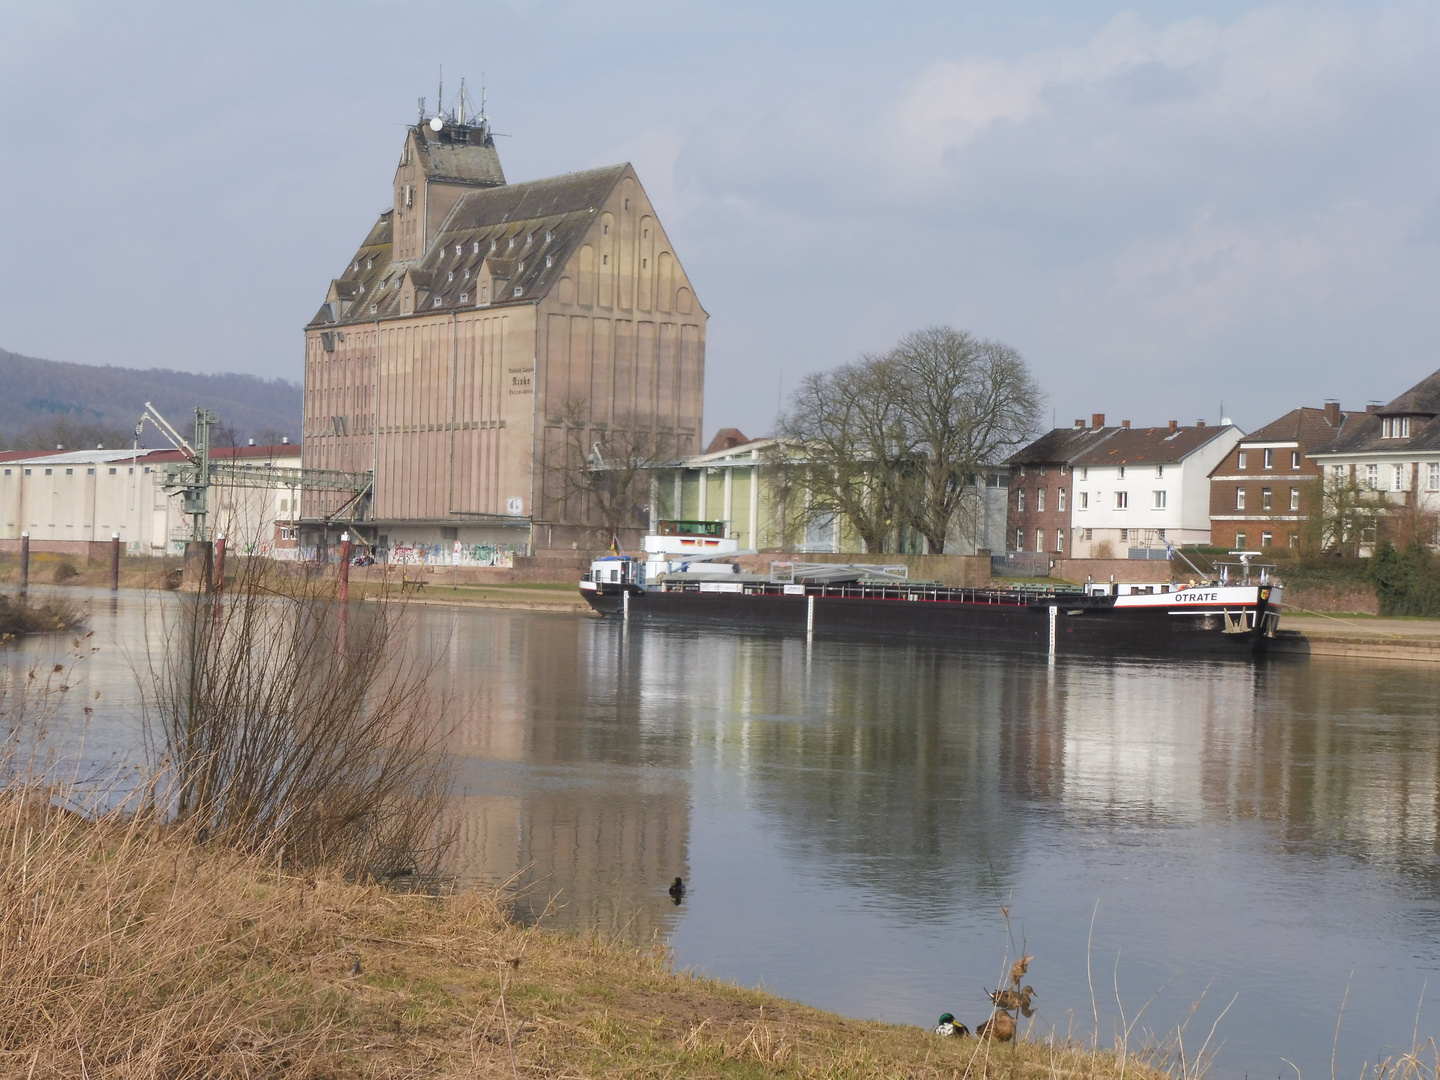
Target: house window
(1022, 470)
(1084, 500)
(1020, 500)
(1159, 500)
(1265, 498)
(1122, 500)
(1064, 469)
(1372, 476)
(1122, 472)
(1434, 478)
(1241, 459)
(1089, 535)
(1040, 500)
(604, 260)
(1240, 540)
(1125, 535)
(1039, 539)
(1239, 498)
(1294, 498)
(1294, 540)
(1042, 470)
(1266, 538)
(1159, 471)
(1060, 500)
(1019, 539)
(48, 472)
(1338, 472)
(113, 471)
(1084, 472)
(1269, 460)
(518, 290)
(1294, 461)
(1399, 477)
(69, 472)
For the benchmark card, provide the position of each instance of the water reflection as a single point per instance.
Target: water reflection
(850, 815)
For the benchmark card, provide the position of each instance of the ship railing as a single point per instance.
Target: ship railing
(789, 573)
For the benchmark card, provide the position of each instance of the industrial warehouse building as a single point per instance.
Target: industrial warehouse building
(68, 500)
(481, 331)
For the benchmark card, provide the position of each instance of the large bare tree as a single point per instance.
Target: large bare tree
(900, 439)
(601, 474)
(844, 449)
(968, 404)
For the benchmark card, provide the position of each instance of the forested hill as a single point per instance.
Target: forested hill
(45, 402)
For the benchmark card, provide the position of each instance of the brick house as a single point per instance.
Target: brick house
(1260, 495)
(1038, 511)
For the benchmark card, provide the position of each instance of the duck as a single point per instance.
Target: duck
(1000, 1027)
(677, 890)
(951, 1028)
(1010, 1000)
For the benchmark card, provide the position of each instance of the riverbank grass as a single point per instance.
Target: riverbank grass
(130, 950)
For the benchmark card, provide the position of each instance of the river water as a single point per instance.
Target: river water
(854, 817)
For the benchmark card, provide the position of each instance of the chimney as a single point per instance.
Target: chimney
(285, 440)
(1080, 424)
(1125, 424)
(1097, 420)
(1332, 412)
(252, 442)
(1199, 423)
(1373, 407)
(1174, 425)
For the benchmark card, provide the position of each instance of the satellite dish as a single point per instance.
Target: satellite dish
(436, 123)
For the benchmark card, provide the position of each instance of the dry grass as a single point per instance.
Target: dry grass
(128, 951)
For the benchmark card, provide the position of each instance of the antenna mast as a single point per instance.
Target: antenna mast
(440, 94)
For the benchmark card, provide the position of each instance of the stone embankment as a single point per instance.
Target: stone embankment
(1361, 638)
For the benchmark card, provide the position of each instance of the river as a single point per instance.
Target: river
(854, 817)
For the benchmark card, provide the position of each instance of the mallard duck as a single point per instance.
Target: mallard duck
(1000, 1027)
(951, 1028)
(1011, 1000)
(677, 890)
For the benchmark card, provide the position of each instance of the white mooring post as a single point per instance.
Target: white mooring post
(1054, 618)
(625, 600)
(810, 616)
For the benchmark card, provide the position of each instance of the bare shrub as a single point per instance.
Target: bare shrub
(65, 569)
(18, 615)
(267, 736)
(1102, 550)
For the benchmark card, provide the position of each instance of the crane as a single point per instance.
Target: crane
(193, 476)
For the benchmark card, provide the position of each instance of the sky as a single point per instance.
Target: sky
(1167, 208)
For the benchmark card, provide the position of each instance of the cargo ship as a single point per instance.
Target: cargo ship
(682, 580)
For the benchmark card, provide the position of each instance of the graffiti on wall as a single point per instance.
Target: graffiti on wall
(451, 553)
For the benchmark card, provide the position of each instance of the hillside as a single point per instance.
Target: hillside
(45, 402)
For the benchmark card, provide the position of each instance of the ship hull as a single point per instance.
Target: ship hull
(985, 620)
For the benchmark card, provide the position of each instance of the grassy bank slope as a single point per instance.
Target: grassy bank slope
(127, 952)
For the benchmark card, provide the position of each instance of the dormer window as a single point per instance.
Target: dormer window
(458, 249)
(518, 290)
(529, 237)
(484, 290)
(492, 245)
(450, 275)
(475, 250)
(1395, 427)
(467, 274)
(374, 308)
(464, 297)
(547, 260)
(435, 302)
(511, 244)
(369, 264)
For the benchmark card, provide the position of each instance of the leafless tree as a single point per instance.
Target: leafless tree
(601, 474)
(1350, 511)
(845, 450)
(900, 439)
(967, 404)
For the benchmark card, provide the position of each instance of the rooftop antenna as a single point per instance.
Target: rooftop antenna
(422, 111)
(440, 94)
(462, 102)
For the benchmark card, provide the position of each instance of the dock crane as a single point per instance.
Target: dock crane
(193, 476)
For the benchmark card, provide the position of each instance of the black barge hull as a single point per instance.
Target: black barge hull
(979, 619)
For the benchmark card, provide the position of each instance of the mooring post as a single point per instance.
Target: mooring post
(219, 563)
(810, 616)
(114, 562)
(625, 601)
(24, 563)
(343, 593)
(1054, 619)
